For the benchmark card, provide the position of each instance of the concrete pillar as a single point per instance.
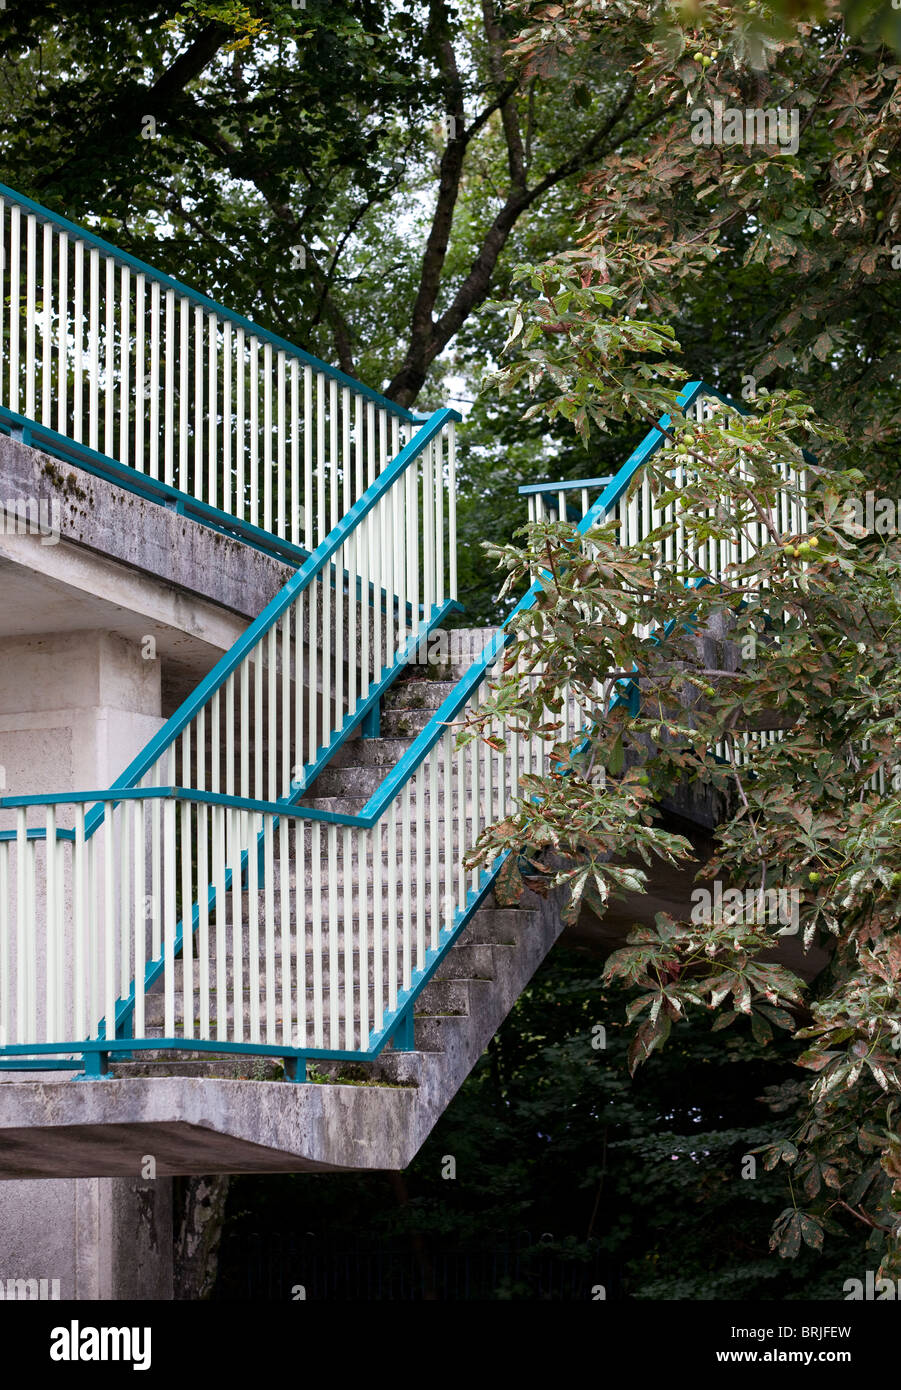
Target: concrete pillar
(100, 1238)
(75, 708)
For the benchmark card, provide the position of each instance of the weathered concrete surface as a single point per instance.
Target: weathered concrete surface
(103, 1238)
(121, 527)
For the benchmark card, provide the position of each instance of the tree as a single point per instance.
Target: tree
(786, 247)
(350, 175)
(812, 621)
(577, 1172)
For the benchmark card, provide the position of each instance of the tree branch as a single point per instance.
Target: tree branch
(425, 347)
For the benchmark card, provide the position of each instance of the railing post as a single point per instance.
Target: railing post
(402, 1039)
(295, 1069)
(125, 1029)
(371, 723)
(96, 1067)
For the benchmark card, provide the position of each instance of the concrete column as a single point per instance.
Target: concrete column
(75, 708)
(100, 1238)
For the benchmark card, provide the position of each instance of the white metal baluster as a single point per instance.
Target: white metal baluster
(413, 540)
(269, 910)
(112, 855)
(237, 825)
(215, 741)
(327, 676)
(316, 902)
(299, 714)
(53, 959)
(30, 282)
(348, 914)
(24, 926)
(285, 719)
(47, 328)
(62, 346)
(169, 917)
(230, 736)
(140, 364)
(187, 918)
(124, 359)
(154, 460)
(280, 527)
(333, 967)
(439, 519)
(301, 835)
(253, 928)
(126, 839)
(199, 489)
(392, 858)
(363, 876)
(339, 571)
(334, 512)
(184, 359)
(421, 869)
(452, 508)
(109, 376)
(217, 822)
(272, 715)
(240, 442)
(267, 436)
(15, 298)
(373, 839)
(254, 431)
(475, 770)
(258, 726)
(372, 662)
(284, 918)
(213, 408)
(428, 530)
(401, 532)
(296, 504)
(312, 656)
(324, 583)
(406, 887)
(447, 805)
(227, 419)
(203, 919)
(78, 895)
(140, 915)
(461, 827)
(309, 501)
(155, 873)
(31, 963)
(353, 546)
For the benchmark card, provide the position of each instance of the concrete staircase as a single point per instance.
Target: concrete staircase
(214, 1115)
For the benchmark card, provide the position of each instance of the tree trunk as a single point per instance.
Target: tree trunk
(199, 1217)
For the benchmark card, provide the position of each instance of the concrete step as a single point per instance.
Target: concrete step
(388, 1069)
(347, 805)
(371, 752)
(470, 958)
(364, 780)
(418, 694)
(490, 926)
(404, 723)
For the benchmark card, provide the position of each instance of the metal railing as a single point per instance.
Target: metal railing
(237, 754)
(200, 887)
(565, 501)
(129, 363)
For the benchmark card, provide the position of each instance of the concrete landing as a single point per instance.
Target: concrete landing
(52, 1128)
